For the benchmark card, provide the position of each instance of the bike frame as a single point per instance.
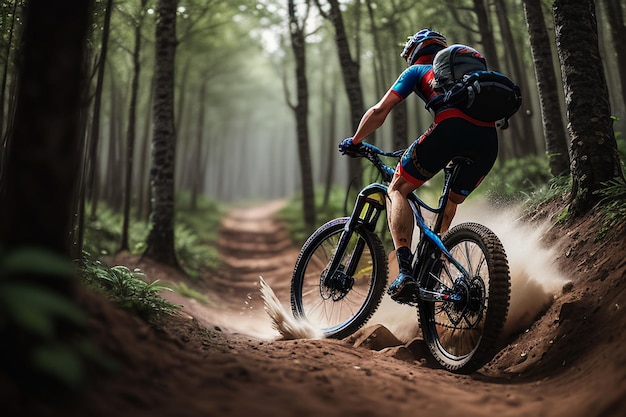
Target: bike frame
(370, 203)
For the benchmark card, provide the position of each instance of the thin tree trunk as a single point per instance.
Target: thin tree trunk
(615, 15)
(130, 135)
(350, 71)
(553, 128)
(195, 167)
(400, 114)
(109, 186)
(332, 146)
(301, 112)
(92, 175)
(522, 121)
(5, 69)
(143, 209)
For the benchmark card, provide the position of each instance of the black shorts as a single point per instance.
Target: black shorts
(448, 138)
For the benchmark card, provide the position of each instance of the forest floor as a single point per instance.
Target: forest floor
(564, 354)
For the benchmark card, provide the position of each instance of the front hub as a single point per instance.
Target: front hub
(337, 285)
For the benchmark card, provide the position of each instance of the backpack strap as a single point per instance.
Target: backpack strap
(436, 103)
(456, 96)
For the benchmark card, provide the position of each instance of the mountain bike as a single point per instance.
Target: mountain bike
(463, 291)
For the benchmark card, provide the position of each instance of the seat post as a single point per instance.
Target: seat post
(450, 171)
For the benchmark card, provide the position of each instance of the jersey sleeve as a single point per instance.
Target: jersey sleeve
(410, 80)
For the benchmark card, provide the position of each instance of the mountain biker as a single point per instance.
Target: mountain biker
(452, 134)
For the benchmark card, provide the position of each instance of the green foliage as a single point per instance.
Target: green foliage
(613, 205)
(128, 289)
(340, 203)
(103, 234)
(195, 233)
(514, 180)
(33, 312)
(184, 290)
(555, 188)
(337, 206)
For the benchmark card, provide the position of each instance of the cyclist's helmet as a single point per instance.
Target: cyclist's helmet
(424, 42)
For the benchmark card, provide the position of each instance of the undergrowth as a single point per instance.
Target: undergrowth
(195, 234)
(127, 289)
(516, 180)
(334, 207)
(613, 205)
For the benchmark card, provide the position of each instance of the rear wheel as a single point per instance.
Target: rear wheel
(462, 335)
(340, 301)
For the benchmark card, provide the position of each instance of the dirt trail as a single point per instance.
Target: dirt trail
(252, 244)
(225, 359)
(571, 361)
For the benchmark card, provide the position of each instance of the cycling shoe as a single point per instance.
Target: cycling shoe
(402, 289)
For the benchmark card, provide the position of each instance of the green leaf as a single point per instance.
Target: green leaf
(37, 308)
(37, 261)
(61, 362)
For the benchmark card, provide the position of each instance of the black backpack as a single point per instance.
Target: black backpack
(462, 77)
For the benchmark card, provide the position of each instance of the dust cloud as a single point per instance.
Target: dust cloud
(535, 280)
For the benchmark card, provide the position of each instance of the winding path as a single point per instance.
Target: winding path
(565, 364)
(252, 244)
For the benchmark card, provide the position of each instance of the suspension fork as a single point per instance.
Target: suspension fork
(369, 204)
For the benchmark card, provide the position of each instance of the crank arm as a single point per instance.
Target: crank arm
(427, 295)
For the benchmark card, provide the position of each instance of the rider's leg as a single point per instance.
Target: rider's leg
(400, 218)
(399, 213)
(454, 200)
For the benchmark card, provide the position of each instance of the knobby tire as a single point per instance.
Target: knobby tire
(467, 345)
(340, 313)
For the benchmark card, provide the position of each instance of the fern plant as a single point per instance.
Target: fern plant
(129, 289)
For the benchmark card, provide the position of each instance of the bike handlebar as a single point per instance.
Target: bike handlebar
(373, 154)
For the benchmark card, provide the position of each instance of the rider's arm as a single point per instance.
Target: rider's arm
(376, 115)
(403, 87)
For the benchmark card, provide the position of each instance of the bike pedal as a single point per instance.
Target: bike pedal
(407, 295)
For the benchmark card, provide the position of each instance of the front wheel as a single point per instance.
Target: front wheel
(463, 334)
(341, 300)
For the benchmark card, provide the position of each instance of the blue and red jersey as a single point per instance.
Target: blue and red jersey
(418, 79)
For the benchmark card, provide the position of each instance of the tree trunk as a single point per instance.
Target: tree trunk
(36, 205)
(92, 165)
(553, 128)
(5, 69)
(330, 144)
(195, 167)
(301, 111)
(593, 146)
(131, 132)
(160, 241)
(144, 192)
(400, 114)
(44, 158)
(110, 186)
(615, 15)
(350, 71)
(523, 119)
(486, 35)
